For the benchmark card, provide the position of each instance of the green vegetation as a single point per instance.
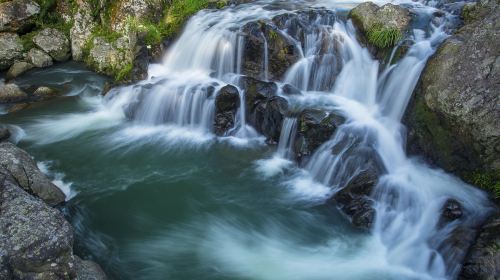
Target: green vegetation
(485, 180)
(27, 40)
(383, 37)
(154, 33)
(124, 73)
(180, 10)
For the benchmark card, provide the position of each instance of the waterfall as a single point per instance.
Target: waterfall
(287, 137)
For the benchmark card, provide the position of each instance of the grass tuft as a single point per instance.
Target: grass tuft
(383, 37)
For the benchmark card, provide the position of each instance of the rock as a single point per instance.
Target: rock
(65, 10)
(19, 167)
(453, 119)
(53, 42)
(11, 93)
(355, 201)
(483, 259)
(88, 270)
(315, 128)
(11, 49)
(39, 58)
(18, 107)
(45, 93)
(4, 133)
(227, 103)
(452, 210)
(80, 32)
(140, 10)
(18, 69)
(268, 117)
(36, 239)
(17, 15)
(281, 51)
(264, 110)
(114, 58)
(375, 22)
(290, 90)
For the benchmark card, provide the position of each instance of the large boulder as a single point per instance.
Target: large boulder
(83, 24)
(11, 49)
(382, 26)
(11, 93)
(17, 15)
(227, 103)
(19, 167)
(139, 10)
(39, 58)
(36, 240)
(315, 127)
(453, 119)
(54, 42)
(483, 260)
(113, 58)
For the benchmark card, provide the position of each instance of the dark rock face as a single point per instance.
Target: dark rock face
(17, 15)
(4, 133)
(483, 260)
(227, 103)
(281, 51)
(18, 166)
(315, 128)
(452, 210)
(264, 110)
(453, 119)
(355, 201)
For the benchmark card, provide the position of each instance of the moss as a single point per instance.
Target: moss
(27, 40)
(124, 73)
(178, 13)
(485, 180)
(273, 35)
(154, 33)
(383, 37)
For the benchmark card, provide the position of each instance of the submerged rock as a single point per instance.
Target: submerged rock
(483, 259)
(39, 58)
(53, 42)
(17, 15)
(453, 119)
(11, 93)
(11, 49)
(18, 166)
(315, 128)
(18, 69)
(227, 103)
(45, 93)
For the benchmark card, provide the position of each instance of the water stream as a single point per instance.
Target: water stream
(156, 195)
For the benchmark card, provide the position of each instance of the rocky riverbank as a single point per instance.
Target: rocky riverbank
(36, 241)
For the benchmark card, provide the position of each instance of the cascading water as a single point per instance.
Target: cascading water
(334, 72)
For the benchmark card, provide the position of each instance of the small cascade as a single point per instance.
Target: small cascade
(266, 60)
(287, 138)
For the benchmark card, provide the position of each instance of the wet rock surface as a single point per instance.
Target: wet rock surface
(18, 166)
(11, 93)
(39, 58)
(18, 69)
(453, 119)
(227, 103)
(483, 259)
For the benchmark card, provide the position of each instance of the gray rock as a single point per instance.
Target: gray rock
(53, 42)
(11, 49)
(17, 15)
(19, 167)
(453, 120)
(140, 10)
(11, 93)
(18, 69)
(36, 240)
(39, 58)
(45, 93)
(83, 23)
(112, 58)
(483, 259)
